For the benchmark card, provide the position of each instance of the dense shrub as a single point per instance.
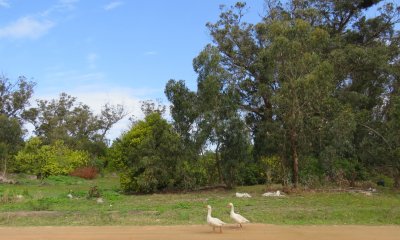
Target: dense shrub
(46, 160)
(149, 156)
(207, 167)
(251, 174)
(85, 172)
(275, 171)
(349, 170)
(311, 172)
(192, 175)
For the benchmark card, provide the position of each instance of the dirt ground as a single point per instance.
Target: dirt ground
(204, 232)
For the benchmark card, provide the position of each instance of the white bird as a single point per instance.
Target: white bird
(243, 195)
(237, 217)
(214, 222)
(70, 195)
(273, 194)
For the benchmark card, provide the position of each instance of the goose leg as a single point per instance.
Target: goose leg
(213, 229)
(220, 229)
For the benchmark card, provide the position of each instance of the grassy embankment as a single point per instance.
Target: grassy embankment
(46, 204)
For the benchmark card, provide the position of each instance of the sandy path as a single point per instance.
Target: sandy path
(204, 232)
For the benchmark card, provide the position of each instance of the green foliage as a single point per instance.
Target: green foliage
(311, 172)
(235, 154)
(15, 96)
(251, 174)
(149, 156)
(14, 99)
(10, 141)
(183, 109)
(207, 165)
(194, 174)
(45, 160)
(74, 123)
(316, 81)
(274, 170)
(348, 169)
(388, 180)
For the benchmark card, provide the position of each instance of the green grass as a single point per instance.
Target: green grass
(45, 203)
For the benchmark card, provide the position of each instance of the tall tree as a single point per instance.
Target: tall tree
(308, 50)
(306, 82)
(74, 123)
(14, 99)
(183, 109)
(10, 140)
(209, 118)
(218, 106)
(15, 96)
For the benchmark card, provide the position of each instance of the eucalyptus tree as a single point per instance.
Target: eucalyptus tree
(393, 136)
(207, 118)
(183, 109)
(11, 140)
(74, 123)
(220, 121)
(14, 100)
(316, 62)
(306, 82)
(365, 60)
(15, 96)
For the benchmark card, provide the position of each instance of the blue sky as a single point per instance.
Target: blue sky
(100, 51)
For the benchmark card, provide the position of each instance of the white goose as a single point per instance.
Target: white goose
(237, 217)
(214, 222)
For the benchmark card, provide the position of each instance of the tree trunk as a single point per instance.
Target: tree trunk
(5, 167)
(218, 164)
(397, 182)
(396, 179)
(295, 157)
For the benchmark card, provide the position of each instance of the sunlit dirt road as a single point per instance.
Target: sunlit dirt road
(204, 232)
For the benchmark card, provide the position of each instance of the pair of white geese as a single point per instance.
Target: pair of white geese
(215, 222)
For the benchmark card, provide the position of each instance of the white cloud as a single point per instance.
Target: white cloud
(112, 5)
(4, 3)
(26, 27)
(37, 24)
(61, 7)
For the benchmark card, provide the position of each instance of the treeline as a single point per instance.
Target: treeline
(308, 95)
(67, 134)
